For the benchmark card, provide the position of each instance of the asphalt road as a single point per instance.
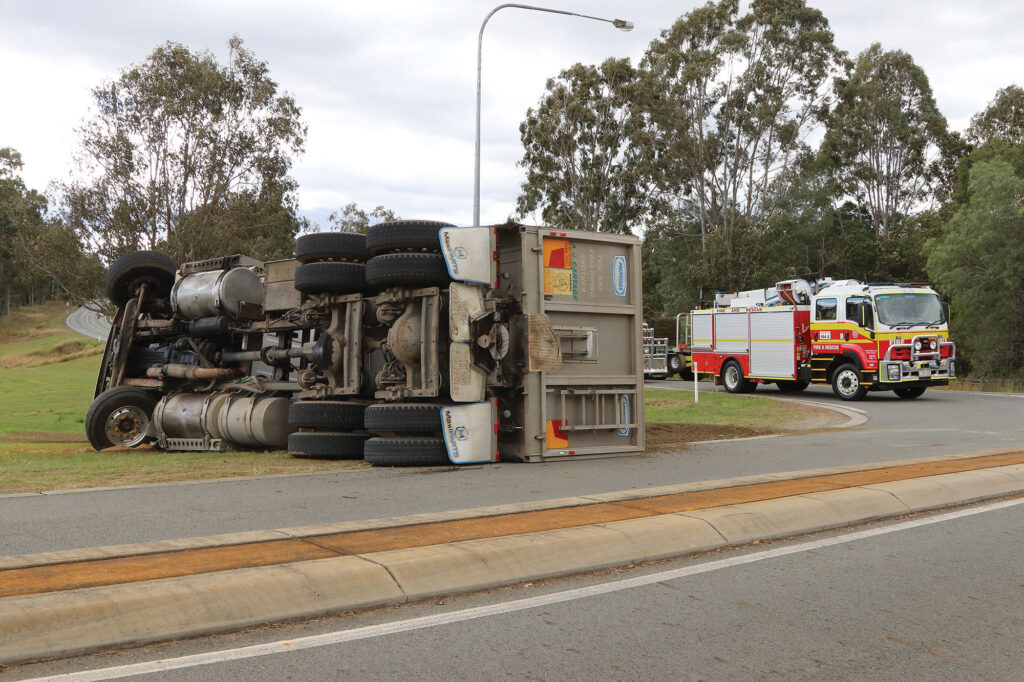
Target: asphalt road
(88, 323)
(940, 422)
(933, 598)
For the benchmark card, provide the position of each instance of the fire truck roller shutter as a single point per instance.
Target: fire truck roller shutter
(772, 343)
(731, 333)
(701, 322)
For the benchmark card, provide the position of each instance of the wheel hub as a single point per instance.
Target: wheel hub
(126, 426)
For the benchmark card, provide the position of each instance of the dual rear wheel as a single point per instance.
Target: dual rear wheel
(409, 435)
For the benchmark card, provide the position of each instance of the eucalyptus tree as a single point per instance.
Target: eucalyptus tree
(730, 102)
(887, 145)
(1002, 118)
(978, 260)
(580, 150)
(351, 218)
(190, 156)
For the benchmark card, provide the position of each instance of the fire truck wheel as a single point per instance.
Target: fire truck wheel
(910, 392)
(119, 416)
(406, 451)
(407, 269)
(792, 386)
(403, 418)
(846, 383)
(733, 380)
(326, 445)
(155, 269)
(675, 365)
(319, 246)
(329, 414)
(330, 278)
(405, 235)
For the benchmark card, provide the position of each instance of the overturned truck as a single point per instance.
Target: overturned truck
(418, 343)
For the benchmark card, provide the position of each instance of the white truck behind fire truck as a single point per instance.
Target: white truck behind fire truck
(855, 336)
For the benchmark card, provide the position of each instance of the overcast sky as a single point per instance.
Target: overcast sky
(387, 87)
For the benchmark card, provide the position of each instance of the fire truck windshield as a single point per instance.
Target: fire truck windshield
(899, 310)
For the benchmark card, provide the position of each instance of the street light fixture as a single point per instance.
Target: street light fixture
(620, 24)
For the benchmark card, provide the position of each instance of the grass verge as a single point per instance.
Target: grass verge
(35, 467)
(718, 409)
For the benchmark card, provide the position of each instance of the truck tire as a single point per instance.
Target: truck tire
(326, 445)
(406, 451)
(910, 392)
(332, 415)
(407, 269)
(846, 382)
(792, 386)
(405, 235)
(157, 270)
(120, 416)
(733, 380)
(341, 246)
(403, 418)
(330, 278)
(675, 365)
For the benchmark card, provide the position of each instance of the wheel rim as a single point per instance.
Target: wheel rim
(126, 426)
(732, 378)
(848, 382)
(673, 362)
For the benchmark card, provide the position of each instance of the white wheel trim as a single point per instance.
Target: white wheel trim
(126, 425)
(732, 377)
(853, 379)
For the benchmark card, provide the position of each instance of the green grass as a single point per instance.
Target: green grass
(36, 335)
(33, 320)
(987, 385)
(716, 408)
(51, 398)
(50, 466)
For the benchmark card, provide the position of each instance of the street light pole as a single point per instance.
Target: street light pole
(617, 23)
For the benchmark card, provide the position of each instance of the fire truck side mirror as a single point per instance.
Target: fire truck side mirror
(867, 315)
(945, 310)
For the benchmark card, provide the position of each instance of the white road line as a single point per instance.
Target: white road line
(463, 615)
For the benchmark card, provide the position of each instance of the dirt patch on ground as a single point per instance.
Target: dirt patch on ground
(662, 435)
(44, 437)
(794, 417)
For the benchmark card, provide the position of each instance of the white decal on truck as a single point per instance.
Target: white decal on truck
(469, 433)
(468, 252)
(625, 415)
(620, 275)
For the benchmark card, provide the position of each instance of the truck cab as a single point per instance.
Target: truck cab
(895, 336)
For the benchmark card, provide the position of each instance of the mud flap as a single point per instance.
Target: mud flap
(465, 303)
(543, 349)
(470, 253)
(471, 432)
(467, 381)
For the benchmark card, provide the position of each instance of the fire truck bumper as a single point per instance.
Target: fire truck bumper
(903, 373)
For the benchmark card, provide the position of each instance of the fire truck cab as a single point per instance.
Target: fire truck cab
(857, 337)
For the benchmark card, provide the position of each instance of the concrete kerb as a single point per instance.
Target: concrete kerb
(35, 627)
(61, 624)
(300, 532)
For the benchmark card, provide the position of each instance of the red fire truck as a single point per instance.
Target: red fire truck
(857, 337)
